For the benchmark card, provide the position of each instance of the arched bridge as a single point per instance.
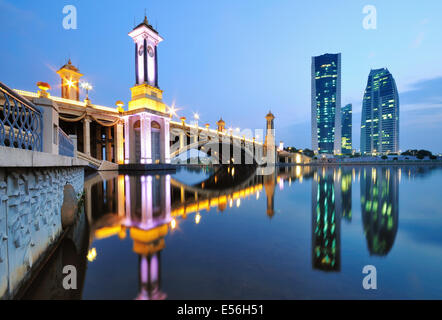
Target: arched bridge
(222, 145)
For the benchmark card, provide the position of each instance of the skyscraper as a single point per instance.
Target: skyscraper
(326, 103)
(346, 122)
(380, 114)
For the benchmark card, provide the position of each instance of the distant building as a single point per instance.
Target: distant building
(326, 104)
(380, 114)
(346, 122)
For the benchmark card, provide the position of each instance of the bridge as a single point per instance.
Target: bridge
(144, 133)
(98, 132)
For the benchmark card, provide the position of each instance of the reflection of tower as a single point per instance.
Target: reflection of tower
(325, 223)
(269, 186)
(269, 142)
(346, 194)
(148, 245)
(70, 77)
(148, 215)
(380, 208)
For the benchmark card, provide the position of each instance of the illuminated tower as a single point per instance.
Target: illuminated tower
(70, 78)
(147, 122)
(269, 142)
(346, 125)
(326, 104)
(380, 114)
(221, 124)
(146, 93)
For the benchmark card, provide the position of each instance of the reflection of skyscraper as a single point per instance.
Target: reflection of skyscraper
(345, 182)
(380, 208)
(380, 114)
(325, 223)
(346, 121)
(326, 103)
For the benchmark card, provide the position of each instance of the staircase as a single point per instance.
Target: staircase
(99, 165)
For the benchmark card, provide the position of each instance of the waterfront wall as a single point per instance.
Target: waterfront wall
(30, 213)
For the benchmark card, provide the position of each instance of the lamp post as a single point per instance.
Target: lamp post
(120, 105)
(86, 86)
(196, 116)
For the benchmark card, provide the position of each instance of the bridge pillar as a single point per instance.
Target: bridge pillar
(119, 143)
(165, 140)
(87, 136)
(146, 139)
(50, 125)
(127, 138)
(109, 143)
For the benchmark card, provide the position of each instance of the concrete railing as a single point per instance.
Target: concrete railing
(66, 146)
(91, 160)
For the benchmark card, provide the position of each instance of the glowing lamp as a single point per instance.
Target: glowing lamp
(43, 86)
(92, 254)
(120, 105)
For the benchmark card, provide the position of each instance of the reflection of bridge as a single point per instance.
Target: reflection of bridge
(143, 207)
(150, 206)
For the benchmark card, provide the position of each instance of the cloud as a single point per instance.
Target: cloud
(417, 42)
(13, 17)
(426, 91)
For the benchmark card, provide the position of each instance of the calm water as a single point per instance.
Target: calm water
(300, 233)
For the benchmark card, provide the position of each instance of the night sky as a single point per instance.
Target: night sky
(238, 59)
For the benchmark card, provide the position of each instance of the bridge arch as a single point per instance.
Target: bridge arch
(224, 150)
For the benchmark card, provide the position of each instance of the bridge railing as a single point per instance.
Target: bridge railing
(66, 146)
(21, 122)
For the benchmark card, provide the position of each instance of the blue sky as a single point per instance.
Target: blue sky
(238, 59)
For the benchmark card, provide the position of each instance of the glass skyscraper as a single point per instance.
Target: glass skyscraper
(380, 114)
(326, 104)
(346, 121)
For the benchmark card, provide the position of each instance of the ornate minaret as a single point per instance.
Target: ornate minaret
(269, 142)
(146, 93)
(221, 124)
(70, 77)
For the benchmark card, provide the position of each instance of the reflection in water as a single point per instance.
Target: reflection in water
(326, 208)
(144, 209)
(346, 177)
(380, 208)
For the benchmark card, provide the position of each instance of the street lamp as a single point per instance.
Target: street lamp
(86, 86)
(173, 111)
(120, 105)
(196, 116)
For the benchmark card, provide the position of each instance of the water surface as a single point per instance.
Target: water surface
(301, 233)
